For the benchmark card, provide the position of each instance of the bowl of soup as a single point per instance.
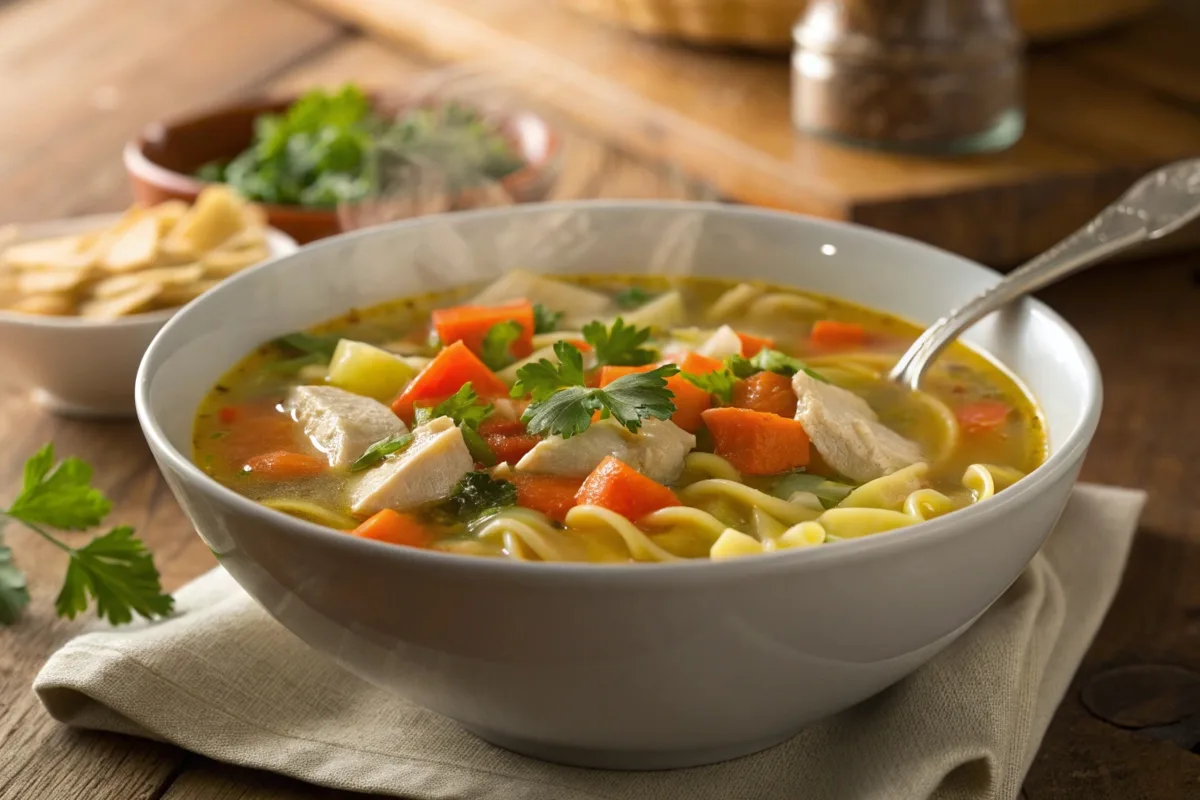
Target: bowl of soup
(618, 484)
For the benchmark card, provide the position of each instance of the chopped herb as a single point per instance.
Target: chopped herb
(381, 451)
(478, 447)
(633, 297)
(467, 412)
(497, 344)
(830, 493)
(619, 345)
(545, 320)
(115, 569)
(309, 343)
(768, 360)
(478, 494)
(718, 382)
(543, 377)
(218, 435)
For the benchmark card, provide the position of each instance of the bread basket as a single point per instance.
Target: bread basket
(767, 24)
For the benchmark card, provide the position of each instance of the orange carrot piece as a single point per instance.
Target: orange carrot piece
(508, 439)
(454, 366)
(228, 415)
(553, 495)
(282, 465)
(394, 528)
(766, 391)
(610, 374)
(470, 324)
(751, 344)
(620, 488)
(756, 442)
(832, 333)
(700, 365)
(983, 416)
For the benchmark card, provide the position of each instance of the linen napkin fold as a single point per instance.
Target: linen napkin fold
(223, 679)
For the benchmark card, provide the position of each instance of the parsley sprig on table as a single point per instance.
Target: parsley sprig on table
(563, 404)
(114, 569)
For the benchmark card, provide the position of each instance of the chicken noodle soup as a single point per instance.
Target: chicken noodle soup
(610, 419)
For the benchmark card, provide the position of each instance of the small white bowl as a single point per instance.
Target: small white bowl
(632, 666)
(82, 367)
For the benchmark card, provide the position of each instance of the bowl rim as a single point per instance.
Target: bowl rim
(141, 166)
(277, 240)
(921, 535)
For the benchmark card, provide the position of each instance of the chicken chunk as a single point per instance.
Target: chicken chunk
(428, 470)
(722, 344)
(847, 433)
(657, 450)
(341, 424)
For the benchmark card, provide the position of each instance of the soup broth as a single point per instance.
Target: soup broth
(613, 419)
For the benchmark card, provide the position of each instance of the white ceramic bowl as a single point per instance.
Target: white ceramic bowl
(628, 666)
(82, 367)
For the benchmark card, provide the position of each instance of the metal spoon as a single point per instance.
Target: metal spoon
(1158, 204)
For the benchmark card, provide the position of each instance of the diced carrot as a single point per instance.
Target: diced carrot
(507, 439)
(983, 416)
(756, 442)
(751, 344)
(394, 528)
(282, 465)
(227, 415)
(259, 428)
(766, 391)
(832, 333)
(454, 366)
(620, 488)
(610, 374)
(553, 495)
(470, 324)
(700, 365)
(690, 400)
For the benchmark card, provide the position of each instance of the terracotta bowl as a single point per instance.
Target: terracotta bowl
(161, 161)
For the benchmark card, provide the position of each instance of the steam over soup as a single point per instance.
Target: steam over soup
(613, 419)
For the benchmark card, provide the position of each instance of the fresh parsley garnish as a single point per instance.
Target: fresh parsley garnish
(478, 494)
(718, 382)
(304, 349)
(497, 344)
(768, 360)
(381, 451)
(545, 320)
(619, 345)
(465, 408)
(542, 378)
(115, 569)
(633, 297)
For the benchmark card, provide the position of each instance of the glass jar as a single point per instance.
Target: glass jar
(937, 77)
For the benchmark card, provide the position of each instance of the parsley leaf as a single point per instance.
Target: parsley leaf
(118, 571)
(478, 494)
(13, 593)
(309, 343)
(629, 400)
(497, 344)
(61, 498)
(543, 377)
(463, 407)
(545, 320)
(115, 569)
(718, 382)
(467, 412)
(768, 360)
(633, 297)
(620, 345)
(381, 451)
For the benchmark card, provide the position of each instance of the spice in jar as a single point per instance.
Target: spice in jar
(928, 76)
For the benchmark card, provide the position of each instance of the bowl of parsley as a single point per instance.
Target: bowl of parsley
(311, 161)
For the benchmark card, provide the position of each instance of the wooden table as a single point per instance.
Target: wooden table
(81, 75)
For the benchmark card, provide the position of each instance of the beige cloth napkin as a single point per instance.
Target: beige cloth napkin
(223, 679)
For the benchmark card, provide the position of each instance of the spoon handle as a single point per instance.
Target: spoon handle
(1158, 204)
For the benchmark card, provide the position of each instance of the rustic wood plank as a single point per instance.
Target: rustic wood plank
(83, 76)
(725, 118)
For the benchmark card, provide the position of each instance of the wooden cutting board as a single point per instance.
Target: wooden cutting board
(1101, 112)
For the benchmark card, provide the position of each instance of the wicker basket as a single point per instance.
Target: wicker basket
(767, 24)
